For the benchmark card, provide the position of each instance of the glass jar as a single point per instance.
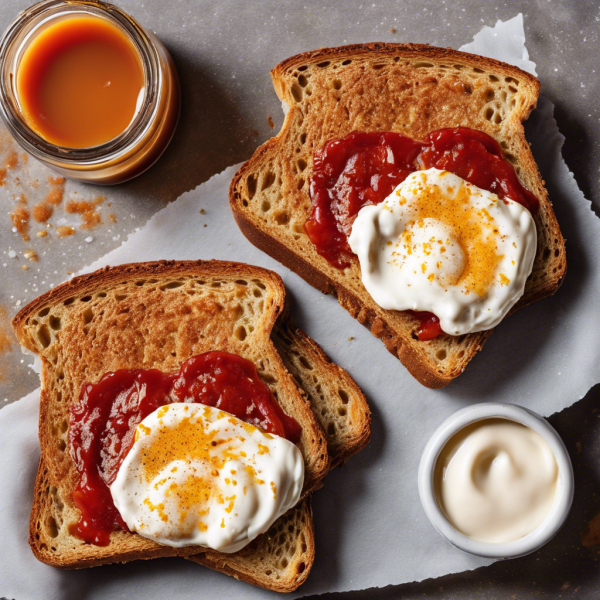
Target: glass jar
(140, 145)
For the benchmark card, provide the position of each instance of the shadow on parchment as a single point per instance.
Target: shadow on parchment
(332, 505)
(577, 145)
(211, 135)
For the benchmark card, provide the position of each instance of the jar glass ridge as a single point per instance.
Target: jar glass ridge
(145, 138)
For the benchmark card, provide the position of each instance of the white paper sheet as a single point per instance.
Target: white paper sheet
(370, 528)
(505, 39)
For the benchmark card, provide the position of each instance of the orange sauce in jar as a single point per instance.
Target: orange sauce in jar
(80, 81)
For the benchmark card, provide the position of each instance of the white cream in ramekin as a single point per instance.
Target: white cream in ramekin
(537, 527)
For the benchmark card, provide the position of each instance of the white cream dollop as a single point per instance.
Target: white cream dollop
(197, 475)
(496, 480)
(440, 244)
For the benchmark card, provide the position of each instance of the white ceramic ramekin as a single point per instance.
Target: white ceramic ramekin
(564, 488)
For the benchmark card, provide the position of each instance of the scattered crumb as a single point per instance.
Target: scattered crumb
(90, 218)
(65, 231)
(69, 272)
(204, 224)
(271, 124)
(20, 219)
(6, 337)
(42, 212)
(202, 211)
(55, 195)
(83, 206)
(12, 160)
(592, 537)
(39, 203)
(350, 338)
(392, 30)
(31, 205)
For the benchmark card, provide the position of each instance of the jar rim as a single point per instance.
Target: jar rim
(12, 45)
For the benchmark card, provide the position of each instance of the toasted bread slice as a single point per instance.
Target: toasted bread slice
(150, 315)
(280, 559)
(157, 315)
(411, 89)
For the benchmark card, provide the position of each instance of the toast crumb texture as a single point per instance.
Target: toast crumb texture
(156, 315)
(410, 89)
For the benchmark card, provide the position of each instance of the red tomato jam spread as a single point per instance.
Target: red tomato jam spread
(364, 168)
(429, 325)
(102, 424)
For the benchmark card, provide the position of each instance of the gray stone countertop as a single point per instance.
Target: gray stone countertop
(223, 51)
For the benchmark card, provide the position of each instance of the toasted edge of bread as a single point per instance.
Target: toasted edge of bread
(337, 402)
(269, 194)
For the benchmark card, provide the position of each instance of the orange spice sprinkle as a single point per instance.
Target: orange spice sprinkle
(479, 245)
